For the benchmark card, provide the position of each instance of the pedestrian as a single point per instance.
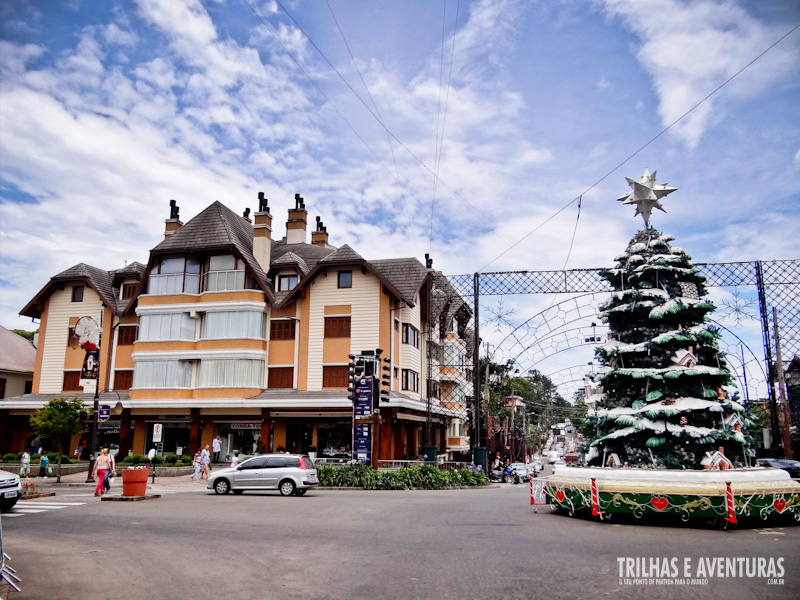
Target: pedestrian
(78, 450)
(84, 454)
(152, 454)
(205, 458)
(36, 445)
(100, 467)
(235, 459)
(217, 448)
(25, 467)
(112, 465)
(196, 462)
(43, 463)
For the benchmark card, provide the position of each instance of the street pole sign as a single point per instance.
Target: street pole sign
(157, 429)
(104, 413)
(362, 410)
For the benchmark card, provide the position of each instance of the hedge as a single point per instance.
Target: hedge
(425, 478)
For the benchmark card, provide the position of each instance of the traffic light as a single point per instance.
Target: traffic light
(355, 371)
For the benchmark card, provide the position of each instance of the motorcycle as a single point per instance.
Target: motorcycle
(504, 474)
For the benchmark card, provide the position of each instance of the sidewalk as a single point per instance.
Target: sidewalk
(76, 484)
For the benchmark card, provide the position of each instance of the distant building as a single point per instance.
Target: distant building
(228, 332)
(17, 363)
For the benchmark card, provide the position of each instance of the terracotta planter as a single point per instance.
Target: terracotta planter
(134, 481)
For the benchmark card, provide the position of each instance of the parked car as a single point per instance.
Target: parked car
(521, 470)
(535, 466)
(559, 463)
(10, 490)
(790, 466)
(288, 473)
(552, 456)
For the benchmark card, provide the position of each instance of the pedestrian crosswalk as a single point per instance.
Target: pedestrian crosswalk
(29, 507)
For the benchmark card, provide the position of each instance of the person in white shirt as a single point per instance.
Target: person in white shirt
(151, 455)
(234, 460)
(217, 448)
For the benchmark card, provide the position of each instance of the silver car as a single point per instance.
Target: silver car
(288, 473)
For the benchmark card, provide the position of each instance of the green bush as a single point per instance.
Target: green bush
(171, 459)
(136, 459)
(158, 460)
(9, 457)
(18, 457)
(186, 459)
(35, 457)
(426, 478)
(55, 457)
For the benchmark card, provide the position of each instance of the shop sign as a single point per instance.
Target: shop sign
(104, 413)
(363, 403)
(362, 439)
(109, 426)
(246, 426)
(157, 427)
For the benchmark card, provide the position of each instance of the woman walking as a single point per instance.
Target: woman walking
(100, 467)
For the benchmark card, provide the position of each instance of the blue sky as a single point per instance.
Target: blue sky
(110, 109)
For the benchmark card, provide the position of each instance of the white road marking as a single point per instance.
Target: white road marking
(54, 504)
(10, 515)
(28, 510)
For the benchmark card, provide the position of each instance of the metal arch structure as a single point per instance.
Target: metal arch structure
(777, 284)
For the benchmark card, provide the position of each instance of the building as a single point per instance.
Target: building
(17, 361)
(226, 331)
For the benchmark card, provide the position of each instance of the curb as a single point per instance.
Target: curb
(129, 498)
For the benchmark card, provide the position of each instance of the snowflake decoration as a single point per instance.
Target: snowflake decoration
(737, 309)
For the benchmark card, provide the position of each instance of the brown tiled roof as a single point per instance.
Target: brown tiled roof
(99, 280)
(216, 228)
(290, 259)
(17, 354)
(343, 254)
(405, 274)
(310, 253)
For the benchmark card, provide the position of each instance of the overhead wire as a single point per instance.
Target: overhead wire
(650, 141)
(382, 122)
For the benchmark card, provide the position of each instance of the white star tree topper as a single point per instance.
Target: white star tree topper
(645, 194)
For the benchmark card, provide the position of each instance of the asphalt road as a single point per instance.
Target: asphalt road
(458, 545)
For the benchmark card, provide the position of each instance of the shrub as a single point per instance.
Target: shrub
(425, 477)
(55, 457)
(35, 457)
(136, 459)
(9, 457)
(18, 457)
(158, 460)
(186, 459)
(171, 459)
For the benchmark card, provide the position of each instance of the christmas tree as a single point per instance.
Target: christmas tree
(663, 401)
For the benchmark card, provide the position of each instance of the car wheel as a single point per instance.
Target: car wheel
(509, 479)
(287, 487)
(238, 492)
(221, 486)
(7, 505)
(301, 492)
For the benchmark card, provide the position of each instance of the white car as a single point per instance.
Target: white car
(552, 456)
(10, 490)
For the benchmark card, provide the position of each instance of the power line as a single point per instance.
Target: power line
(650, 141)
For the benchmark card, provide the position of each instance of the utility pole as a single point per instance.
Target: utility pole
(784, 418)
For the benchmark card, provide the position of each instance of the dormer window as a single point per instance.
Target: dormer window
(287, 282)
(174, 275)
(224, 272)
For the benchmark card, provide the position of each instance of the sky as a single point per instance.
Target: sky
(463, 129)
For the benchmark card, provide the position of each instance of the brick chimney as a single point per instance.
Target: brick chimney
(320, 236)
(262, 233)
(296, 225)
(173, 223)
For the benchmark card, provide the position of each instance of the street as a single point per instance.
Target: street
(460, 544)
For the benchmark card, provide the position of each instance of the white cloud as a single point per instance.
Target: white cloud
(690, 48)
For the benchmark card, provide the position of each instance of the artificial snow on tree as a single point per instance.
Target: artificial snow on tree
(663, 404)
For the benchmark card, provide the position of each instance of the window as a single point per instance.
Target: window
(287, 282)
(410, 335)
(234, 325)
(335, 377)
(163, 374)
(174, 275)
(410, 380)
(72, 338)
(28, 386)
(337, 327)
(77, 293)
(397, 325)
(433, 389)
(2, 387)
(127, 291)
(72, 381)
(231, 373)
(396, 372)
(259, 462)
(127, 335)
(225, 273)
(282, 330)
(345, 279)
(123, 380)
(172, 326)
(281, 377)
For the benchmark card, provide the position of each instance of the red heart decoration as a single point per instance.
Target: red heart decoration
(560, 495)
(779, 504)
(659, 503)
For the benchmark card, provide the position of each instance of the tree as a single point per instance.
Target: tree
(663, 396)
(59, 419)
(28, 335)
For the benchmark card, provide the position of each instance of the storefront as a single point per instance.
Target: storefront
(175, 436)
(108, 435)
(242, 437)
(334, 438)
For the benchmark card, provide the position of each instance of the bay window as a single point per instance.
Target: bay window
(174, 275)
(236, 324)
(162, 374)
(172, 326)
(225, 272)
(231, 373)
